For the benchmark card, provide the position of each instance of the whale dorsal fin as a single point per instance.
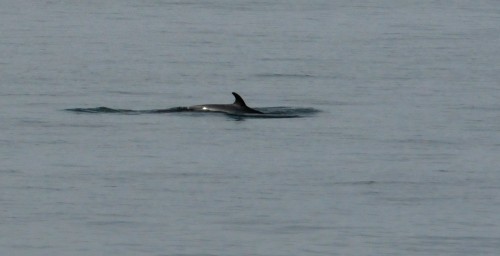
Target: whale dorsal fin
(238, 100)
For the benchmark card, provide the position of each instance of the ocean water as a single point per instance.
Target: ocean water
(395, 150)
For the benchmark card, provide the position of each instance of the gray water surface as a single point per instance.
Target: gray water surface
(398, 156)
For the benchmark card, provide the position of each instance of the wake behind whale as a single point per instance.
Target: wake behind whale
(237, 109)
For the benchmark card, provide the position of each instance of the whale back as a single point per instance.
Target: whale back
(238, 107)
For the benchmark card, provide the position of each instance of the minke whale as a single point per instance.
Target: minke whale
(238, 107)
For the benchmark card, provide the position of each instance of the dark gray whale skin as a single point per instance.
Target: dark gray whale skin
(238, 107)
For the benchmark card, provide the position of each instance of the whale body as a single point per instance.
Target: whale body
(238, 107)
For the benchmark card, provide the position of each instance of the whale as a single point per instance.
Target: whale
(237, 108)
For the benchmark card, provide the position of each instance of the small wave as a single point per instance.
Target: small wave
(280, 75)
(289, 110)
(100, 110)
(106, 110)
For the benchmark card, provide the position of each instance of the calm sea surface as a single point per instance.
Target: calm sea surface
(398, 154)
